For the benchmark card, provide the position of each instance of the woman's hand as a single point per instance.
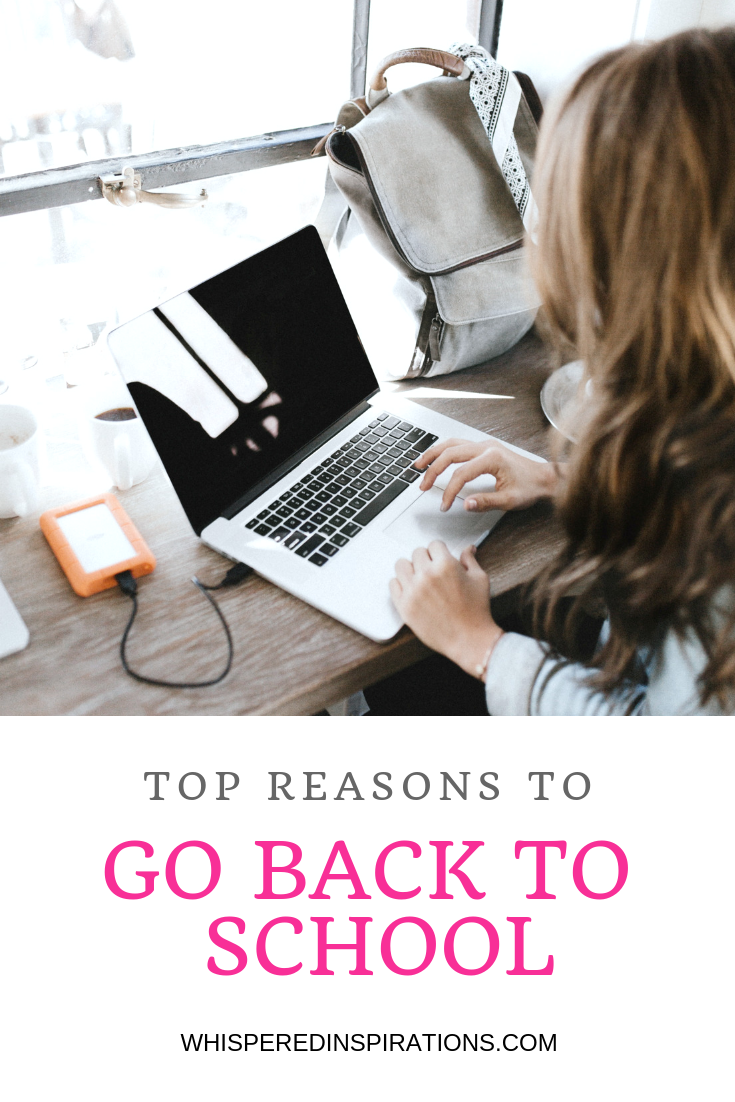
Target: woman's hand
(519, 482)
(446, 602)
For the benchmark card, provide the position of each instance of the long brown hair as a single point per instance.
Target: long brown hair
(635, 262)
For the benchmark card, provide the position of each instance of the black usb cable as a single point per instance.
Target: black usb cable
(129, 587)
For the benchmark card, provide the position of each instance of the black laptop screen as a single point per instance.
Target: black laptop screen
(238, 374)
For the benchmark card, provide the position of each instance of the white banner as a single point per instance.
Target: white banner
(553, 893)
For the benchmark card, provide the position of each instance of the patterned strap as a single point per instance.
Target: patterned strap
(496, 93)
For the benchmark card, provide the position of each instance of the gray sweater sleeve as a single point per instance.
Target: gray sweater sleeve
(522, 679)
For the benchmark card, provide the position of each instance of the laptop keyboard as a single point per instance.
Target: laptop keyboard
(319, 515)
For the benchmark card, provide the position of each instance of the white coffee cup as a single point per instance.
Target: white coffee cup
(19, 475)
(117, 436)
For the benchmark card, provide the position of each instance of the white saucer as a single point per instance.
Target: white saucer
(561, 397)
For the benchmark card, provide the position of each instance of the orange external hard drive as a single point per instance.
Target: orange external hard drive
(94, 540)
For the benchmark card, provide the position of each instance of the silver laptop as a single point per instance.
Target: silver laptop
(268, 418)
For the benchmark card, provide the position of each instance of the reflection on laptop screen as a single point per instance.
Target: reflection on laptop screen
(235, 376)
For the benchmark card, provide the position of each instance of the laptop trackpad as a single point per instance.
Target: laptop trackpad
(422, 522)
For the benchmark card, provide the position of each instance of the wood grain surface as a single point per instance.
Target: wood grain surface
(289, 659)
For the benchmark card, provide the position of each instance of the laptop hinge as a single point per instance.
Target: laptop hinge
(298, 457)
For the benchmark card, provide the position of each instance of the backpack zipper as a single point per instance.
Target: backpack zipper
(429, 337)
(436, 329)
(318, 148)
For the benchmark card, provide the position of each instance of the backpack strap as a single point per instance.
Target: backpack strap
(496, 93)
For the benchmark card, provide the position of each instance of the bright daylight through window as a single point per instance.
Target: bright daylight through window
(85, 81)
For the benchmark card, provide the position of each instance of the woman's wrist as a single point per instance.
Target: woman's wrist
(474, 651)
(549, 480)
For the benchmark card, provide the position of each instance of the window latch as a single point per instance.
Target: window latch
(126, 191)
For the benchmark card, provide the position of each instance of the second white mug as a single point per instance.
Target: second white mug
(18, 461)
(118, 437)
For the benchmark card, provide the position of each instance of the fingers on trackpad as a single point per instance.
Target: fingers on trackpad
(483, 484)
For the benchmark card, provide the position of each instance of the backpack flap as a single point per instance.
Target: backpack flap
(483, 292)
(434, 178)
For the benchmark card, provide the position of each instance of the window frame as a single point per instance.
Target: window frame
(60, 187)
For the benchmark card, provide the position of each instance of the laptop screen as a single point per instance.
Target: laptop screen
(238, 374)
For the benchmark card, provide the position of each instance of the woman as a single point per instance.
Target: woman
(635, 262)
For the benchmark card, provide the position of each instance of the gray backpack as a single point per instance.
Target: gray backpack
(419, 172)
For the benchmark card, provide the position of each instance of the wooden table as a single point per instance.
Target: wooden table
(290, 659)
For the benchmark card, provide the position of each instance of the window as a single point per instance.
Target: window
(551, 41)
(114, 77)
(175, 88)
